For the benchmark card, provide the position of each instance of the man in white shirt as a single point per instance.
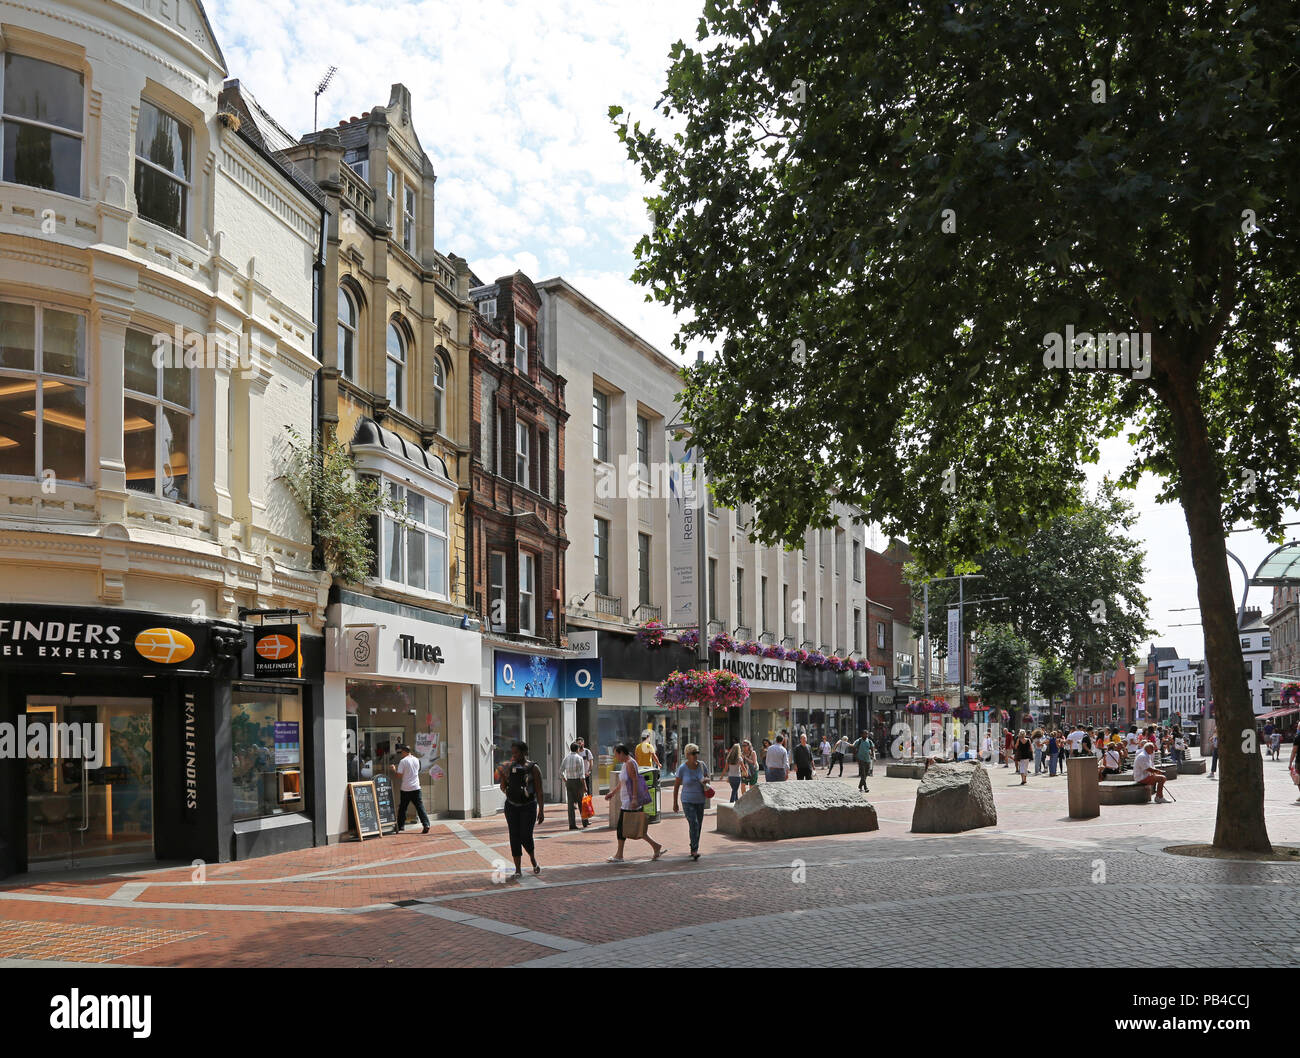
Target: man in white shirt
(408, 767)
(574, 770)
(1109, 763)
(1145, 772)
(988, 749)
(778, 761)
(1131, 740)
(1076, 741)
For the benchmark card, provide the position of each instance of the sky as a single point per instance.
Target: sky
(511, 102)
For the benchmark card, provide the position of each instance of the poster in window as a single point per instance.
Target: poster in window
(288, 749)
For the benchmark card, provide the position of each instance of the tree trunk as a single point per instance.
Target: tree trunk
(1240, 823)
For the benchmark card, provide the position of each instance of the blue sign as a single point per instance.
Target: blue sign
(582, 678)
(538, 676)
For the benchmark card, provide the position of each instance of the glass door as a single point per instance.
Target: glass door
(90, 786)
(539, 750)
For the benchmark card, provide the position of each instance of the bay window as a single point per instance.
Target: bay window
(413, 544)
(43, 124)
(42, 392)
(157, 417)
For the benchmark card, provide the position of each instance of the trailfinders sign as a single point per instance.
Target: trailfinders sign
(762, 674)
(90, 638)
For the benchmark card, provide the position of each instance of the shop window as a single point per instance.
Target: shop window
(43, 412)
(43, 121)
(507, 727)
(157, 417)
(384, 715)
(162, 168)
(270, 767)
(414, 544)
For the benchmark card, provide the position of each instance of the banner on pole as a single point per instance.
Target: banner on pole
(954, 644)
(683, 544)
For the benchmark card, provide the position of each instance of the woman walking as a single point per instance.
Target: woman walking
(691, 778)
(631, 819)
(762, 760)
(735, 770)
(1024, 750)
(749, 774)
(1040, 747)
(522, 785)
(1053, 748)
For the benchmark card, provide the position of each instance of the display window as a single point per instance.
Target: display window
(268, 762)
(383, 715)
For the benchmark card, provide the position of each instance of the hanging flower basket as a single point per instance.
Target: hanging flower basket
(799, 655)
(715, 688)
(651, 634)
(925, 706)
(1290, 693)
(749, 647)
(776, 650)
(689, 639)
(836, 663)
(816, 660)
(963, 712)
(722, 642)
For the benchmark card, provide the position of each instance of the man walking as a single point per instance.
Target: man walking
(408, 767)
(803, 759)
(777, 761)
(837, 756)
(574, 770)
(863, 750)
(587, 761)
(1214, 755)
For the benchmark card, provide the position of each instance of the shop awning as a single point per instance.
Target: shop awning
(1275, 713)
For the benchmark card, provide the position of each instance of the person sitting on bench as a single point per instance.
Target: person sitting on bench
(1109, 763)
(1145, 772)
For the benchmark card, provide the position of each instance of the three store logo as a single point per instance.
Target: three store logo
(165, 646)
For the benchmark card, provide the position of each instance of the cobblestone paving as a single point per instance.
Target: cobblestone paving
(887, 898)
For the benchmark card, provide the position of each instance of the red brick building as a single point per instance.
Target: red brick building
(1103, 698)
(516, 502)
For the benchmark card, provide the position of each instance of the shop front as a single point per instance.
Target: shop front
(529, 696)
(399, 675)
(128, 735)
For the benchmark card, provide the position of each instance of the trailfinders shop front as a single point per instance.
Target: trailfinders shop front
(128, 736)
(399, 675)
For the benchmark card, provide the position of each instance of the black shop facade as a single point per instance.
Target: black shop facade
(128, 736)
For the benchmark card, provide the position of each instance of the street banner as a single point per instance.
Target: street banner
(954, 644)
(1140, 693)
(683, 544)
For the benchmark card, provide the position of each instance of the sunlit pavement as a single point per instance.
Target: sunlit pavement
(1031, 891)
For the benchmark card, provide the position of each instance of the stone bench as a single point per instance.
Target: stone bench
(1123, 793)
(797, 810)
(905, 771)
(1192, 767)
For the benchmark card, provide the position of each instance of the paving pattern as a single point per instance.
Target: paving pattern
(1035, 890)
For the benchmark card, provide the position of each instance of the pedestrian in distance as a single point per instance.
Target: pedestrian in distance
(803, 759)
(574, 770)
(762, 757)
(749, 769)
(587, 761)
(1277, 745)
(987, 750)
(645, 753)
(1214, 755)
(1053, 753)
(1294, 765)
(632, 820)
(1024, 751)
(778, 761)
(1040, 747)
(1109, 763)
(825, 748)
(837, 756)
(691, 784)
(735, 770)
(408, 767)
(522, 785)
(863, 750)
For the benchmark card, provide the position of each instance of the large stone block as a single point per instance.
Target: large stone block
(954, 797)
(905, 771)
(1123, 793)
(793, 809)
(1193, 767)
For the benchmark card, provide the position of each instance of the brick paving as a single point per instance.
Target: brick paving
(885, 898)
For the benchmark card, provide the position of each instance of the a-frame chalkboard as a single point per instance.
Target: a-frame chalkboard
(365, 810)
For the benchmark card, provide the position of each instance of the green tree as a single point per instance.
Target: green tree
(323, 478)
(1055, 681)
(881, 213)
(1073, 588)
(1001, 666)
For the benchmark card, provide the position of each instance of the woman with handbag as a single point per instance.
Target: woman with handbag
(693, 786)
(749, 777)
(633, 796)
(735, 770)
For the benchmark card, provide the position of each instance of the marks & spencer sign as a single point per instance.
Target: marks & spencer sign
(763, 674)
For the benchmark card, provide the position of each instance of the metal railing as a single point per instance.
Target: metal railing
(767, 637)
(648, 612)
(743, 632)
(715, 627)
(609, 604)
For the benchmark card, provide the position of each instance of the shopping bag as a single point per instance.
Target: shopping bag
(635, 824)
(588, 809)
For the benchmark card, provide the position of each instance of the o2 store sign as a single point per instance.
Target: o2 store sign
(539, 676)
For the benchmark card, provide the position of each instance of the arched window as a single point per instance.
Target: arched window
(439, 394)
(396, 391)
(347, 334)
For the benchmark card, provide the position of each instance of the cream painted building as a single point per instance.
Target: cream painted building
(156, 336)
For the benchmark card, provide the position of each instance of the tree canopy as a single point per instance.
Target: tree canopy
(889, 217)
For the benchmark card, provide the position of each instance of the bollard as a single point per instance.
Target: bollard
(1081, 783)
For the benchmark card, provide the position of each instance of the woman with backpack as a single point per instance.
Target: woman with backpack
(522, 785)
(630, 788)
(693, 786)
